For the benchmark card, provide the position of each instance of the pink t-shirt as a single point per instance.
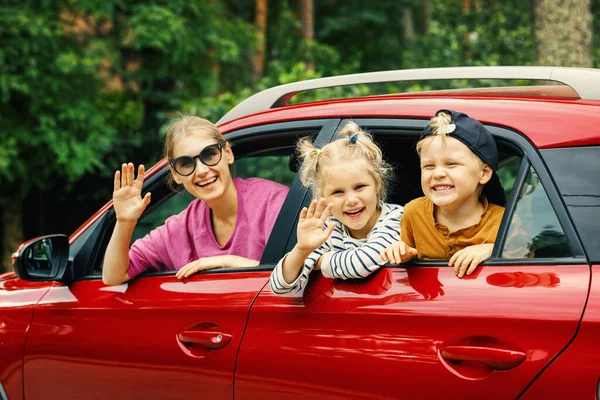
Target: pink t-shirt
(188, 236)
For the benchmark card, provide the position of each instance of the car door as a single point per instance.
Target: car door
(156, 336)
(417, 331)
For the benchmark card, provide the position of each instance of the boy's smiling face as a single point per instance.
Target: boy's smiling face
(451, 174)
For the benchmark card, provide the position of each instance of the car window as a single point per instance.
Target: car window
(534, 230)
(575, 171)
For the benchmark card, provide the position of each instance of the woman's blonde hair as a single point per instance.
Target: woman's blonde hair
(352, 143)
(184, 125)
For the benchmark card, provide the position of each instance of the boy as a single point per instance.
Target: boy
(454, 220)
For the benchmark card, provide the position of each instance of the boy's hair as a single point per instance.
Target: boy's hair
(352, 143)
(184, 125)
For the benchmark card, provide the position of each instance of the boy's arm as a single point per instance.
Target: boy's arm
(362, 261)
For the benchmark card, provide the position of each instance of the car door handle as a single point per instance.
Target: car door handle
(496, 358)
(211, 339)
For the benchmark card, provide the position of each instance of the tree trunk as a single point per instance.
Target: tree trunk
(307, 23)
(466, 37)
(563, 32)
(12, 231)
(407, 18)
(261, 34)
(426, 17)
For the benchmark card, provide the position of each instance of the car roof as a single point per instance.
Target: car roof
(549, 116)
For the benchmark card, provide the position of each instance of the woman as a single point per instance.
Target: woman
(227, 226)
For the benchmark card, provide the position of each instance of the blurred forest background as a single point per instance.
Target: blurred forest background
(87, 84)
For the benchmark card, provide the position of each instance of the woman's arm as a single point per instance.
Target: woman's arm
(206, 263)
(129, 206)
(116, 258)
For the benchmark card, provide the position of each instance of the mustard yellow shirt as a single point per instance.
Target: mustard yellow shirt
(435, 241)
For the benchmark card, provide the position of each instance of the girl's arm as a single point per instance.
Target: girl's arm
(282, 286)
(362, 261)
(291, 273)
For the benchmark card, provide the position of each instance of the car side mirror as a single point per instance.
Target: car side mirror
(43, 259)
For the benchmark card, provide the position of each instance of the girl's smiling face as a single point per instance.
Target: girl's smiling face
(352, 191)
(451, 174)
(205, 183)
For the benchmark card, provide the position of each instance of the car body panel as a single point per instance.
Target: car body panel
(382, 337)
(122, 341)
(575, 374)
(18, 299)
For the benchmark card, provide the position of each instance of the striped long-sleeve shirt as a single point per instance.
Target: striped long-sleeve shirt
(343, 256)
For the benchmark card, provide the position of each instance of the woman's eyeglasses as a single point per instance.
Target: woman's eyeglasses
(209, 156)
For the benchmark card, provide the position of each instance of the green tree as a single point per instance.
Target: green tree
(58, 119)
(85, 85)
(564, 33)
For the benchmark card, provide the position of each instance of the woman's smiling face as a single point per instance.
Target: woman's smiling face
(450, 173)
(205, 183)
(352, 191)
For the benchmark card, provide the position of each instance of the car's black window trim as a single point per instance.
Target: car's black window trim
(510, 207)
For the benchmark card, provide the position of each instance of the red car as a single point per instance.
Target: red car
(518, 328)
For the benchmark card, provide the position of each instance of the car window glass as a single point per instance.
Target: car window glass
(575, 171)
(157, 216)
(534, 230)
(507, 172)
(275, 168)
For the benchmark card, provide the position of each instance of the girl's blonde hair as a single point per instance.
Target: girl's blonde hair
(352, 143)
(185, 125)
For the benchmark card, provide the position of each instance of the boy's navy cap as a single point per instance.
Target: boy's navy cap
(472, 133)
(481, 142)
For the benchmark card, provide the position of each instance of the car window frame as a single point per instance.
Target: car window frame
(324, 130)
(530, 156)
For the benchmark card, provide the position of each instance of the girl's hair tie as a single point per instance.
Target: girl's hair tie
(317, 152)
(353, 139)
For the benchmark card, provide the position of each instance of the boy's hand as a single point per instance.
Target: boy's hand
(398, 253)
(467, 259)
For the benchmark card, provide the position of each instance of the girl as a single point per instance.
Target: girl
(226, 227)
(350, 178)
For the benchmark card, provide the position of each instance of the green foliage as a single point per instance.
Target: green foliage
(495, 35)
(58, 122)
